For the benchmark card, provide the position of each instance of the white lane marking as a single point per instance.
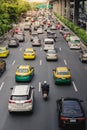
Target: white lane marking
(60, 49)
(75, 88)
(39, 86)
(20, 49)
(1, 86)
(65, 62)
(40, 62)
(13, 62)
(41, 49)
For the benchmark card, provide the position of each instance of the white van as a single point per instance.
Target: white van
(49, 44)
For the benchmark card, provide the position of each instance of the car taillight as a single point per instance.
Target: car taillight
(81, 119)
(28, 101)
(11, 101)
(63, 118)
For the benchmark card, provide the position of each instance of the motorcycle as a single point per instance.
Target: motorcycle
(45, 95)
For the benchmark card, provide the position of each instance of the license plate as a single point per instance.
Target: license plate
(72, 120)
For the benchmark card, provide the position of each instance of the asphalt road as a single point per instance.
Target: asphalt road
(44, 116)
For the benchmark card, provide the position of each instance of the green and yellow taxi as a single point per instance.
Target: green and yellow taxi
(62, 75)
(29, 53)
(4, 51)
(24, 73)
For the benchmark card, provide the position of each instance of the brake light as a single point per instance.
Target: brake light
(11, 101)
(28, 101)
(63, 118)
(81, 118)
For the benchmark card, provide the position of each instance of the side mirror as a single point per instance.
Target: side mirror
(11, 88)
(53, 69)
(32, 87)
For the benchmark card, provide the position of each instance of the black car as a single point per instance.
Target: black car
(70, 112)
(2, 66)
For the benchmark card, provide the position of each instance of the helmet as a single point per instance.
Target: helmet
(45, 82)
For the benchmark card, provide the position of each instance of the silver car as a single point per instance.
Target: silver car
(51, 55)
(21, 99)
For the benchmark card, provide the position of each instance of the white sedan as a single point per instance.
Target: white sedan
(51, 55)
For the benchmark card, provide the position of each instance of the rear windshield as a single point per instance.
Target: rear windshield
(49, 42)
(71, 108)
(23, 97)
(22, 70)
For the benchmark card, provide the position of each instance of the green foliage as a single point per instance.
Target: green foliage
(76, 29)
(10, 12)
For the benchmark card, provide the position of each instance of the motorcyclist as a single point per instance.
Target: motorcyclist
(45, 88)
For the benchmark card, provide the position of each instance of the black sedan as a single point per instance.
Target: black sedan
(70, 112)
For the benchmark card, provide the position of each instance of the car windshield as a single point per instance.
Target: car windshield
(29, 51)
(23, 97)
(63, 73)
(22, 70)
(51, 52)
(2, 49)
(71, 108)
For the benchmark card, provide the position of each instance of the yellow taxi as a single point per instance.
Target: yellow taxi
(4, 51)
(62, 75)
(29, 53)
(24, 73)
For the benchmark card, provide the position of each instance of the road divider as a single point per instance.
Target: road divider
(60, 49)
(20, 49)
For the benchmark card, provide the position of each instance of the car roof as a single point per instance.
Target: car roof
(74, 38)
(23, 66)
(20, 90)
(62, 68)
(29, 49)
(48, 39)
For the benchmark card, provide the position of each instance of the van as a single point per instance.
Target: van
(49, 44)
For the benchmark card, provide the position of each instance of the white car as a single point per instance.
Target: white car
(21, 99)
(36, 42)
(49, 44)
(74, 42)
(51, 55)
(39, 30)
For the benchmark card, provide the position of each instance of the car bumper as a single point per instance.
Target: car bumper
(29, 57)
(62, 81)
(19, 108)
(23, 78)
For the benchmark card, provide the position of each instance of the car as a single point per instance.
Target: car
(34, 34)
(20, 36)
(74, 42)
(36, 41)
(51, 34)
(2, 66)
(13, 42)
(62, 75)
(51, 55)
(40, 30)
(4, 51)
(70, 112)
(26, 27)
(53, 27)
(48, 44)
(24, 73)
(29, 53)
(64, 30)
(16, 30)
(83, 55)
(21, 99)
